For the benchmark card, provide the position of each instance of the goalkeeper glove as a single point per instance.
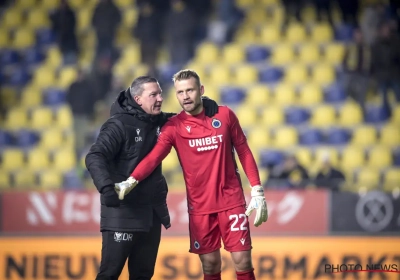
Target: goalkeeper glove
(124, 187)
(259, 204)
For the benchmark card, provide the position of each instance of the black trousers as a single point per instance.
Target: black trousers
(140, 248)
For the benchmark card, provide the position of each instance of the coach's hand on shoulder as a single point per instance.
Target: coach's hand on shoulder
(259, 204)
(125, 187)
(110, 197)
(210, 106)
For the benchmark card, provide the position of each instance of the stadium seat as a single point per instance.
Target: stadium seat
(390, 135)
(350, 114)
(12, 18)
(210, 91)
(310, 137)
(33, 56)
(258, 95)
(352, 157)
(309, 54)
(257, 53)
(220, 75)
(323, 115)
(296, 115)
(42, 117)
(391, 179)
(4, 38)
(364, 136)
(270, 34)
(337, 136)
(284, 94)
(273, 116)
(270, 158)
(270, 74)
(232, 95)
(67, 76)
(304, 157)
(334, 53)
(123, 4)
(12, 159)
(6, 138)
(310, 94)
(233, 54)
(334, 93)
(16, 118)
(246, 34)
(44, 77)
(19, 77)
(38, 18)
(396, 115)
(24, 179)
(50, 179)
(23, 38)
(322, 33)
(285, 137)
(83, 18)
(26, 138)
(296, 74)
(54, 59)
(64, 160)
(380, 157)
(254, 15)
(64, 117)
(258, 138)
(45, 37)
(5, 181)
(344, 32)
(37, 159)
(368, 178)
(52, 138)
(31, 97)
(25, 4)
(295, 33)
(49, 5)
(376, 114)
(245, 75)
(247, 116)
(129, 17)
(54, 97)
(207, 53)
(9, 57)
(321, 153)
(282, 54)
(171, 162)
(323, 74)
(396, 157)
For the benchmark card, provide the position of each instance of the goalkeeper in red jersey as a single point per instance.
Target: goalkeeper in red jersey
(216, 202)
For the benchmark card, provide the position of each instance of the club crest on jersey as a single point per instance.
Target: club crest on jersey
(216, 123)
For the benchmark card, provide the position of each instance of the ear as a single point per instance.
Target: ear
(201, 90)
(137, 99)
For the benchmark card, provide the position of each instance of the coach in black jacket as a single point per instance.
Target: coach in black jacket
(131, 228)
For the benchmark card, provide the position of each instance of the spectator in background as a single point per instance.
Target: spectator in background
(386, 64)
(349, 9)
(372, 16)
(229, 20)
(101, 78)
(180, 27)
(80, 99)
(324, 7)
(202, 10)
(63, 24)
(293, 8)
(357, 69)
(328, 176)
(105, 21)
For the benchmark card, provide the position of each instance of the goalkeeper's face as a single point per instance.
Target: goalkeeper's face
(189, 93)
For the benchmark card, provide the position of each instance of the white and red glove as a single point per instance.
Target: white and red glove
(124, 187)
(258, 203)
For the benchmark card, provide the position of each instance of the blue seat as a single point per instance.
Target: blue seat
(45, 37)
(270, 158)
(396, 157)
(338, 136)
(9, 57)
(310, 136)
(6, 138)
(344, 32)
(71, 180)
(167, 71)
(296, 115)
(334, 93)
(257, 53)
(54, 97)
(19, 77)
(270, 75)
(27, 138)
(232, 95)
(376, 114)
(33, 56)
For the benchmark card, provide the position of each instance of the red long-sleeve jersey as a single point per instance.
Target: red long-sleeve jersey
(205, 148)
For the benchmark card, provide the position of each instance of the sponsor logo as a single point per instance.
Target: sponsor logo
(138, 138)
(206, 143)
(188, 128)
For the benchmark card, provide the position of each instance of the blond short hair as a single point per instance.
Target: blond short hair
(186, 74)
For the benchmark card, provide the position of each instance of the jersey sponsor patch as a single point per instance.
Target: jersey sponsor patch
(216, 123)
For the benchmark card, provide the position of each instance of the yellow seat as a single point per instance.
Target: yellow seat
(334, 53)
(84, 18)
(364, 136)
(247, 116)
(42, 117)
(245, 75)
(49, 4)
(296, 74)
(25, 4)
(38, 18)
(31, 97)
(12, 159)
(233, 54)
(220, 75)
(258, 95)
(44, 77)
(304, 156)
(243, 4)
(255, 16)
(396, 115)
(273, 116)
(5, 181)
(54, 58)
(207, 53)
(322, 33)
(368, 178)
(350, 114)
(38, 159)
(24, 179)
(310, 94)
(284, 94)
(4, 38)
(282, 54)
(295, 33)
(352, 157)
(245, 35)
(76, 4)
(52, 139)
(258, 138)
(16, 118)
(391, 179)
(270, 34)
(64, 117)
(129, 17)
(171, 162)
(210, 91)
(123, 4)
(12, 18)
(67, 76)
(309, 53)
(390, 135)
(285, 137)
(323, 74)
(50, 179)
(321, 153)
(308, 14)
(64, 160)
(23, 38)
(380, 157)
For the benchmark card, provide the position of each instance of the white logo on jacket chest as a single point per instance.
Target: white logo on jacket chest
(206, 143)
(138, 138)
